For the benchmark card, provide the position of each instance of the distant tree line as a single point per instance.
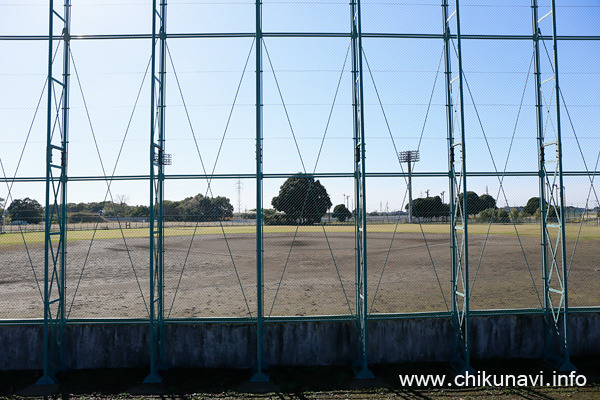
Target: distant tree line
(301, 200)
(196, 208)
(482, 207)
(428, 208)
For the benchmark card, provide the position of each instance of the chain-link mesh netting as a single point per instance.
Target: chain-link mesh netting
(306, 189)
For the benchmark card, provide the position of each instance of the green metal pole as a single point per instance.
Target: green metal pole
(154, 376)
(451, 170)
(161, 182)
(467, 360)
(157, 177)
(361, 367)
(47, 378)
(259, 375)
(566, 358)
(554, 260)
(542, 170)
(55, 257)
(62, 287)
(460, 251)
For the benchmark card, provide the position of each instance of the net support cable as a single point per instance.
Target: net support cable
(425, 241)
(590, 176)
(310, 192)
(11, 181)
(209, 181)
(108, 193)
(500, 177)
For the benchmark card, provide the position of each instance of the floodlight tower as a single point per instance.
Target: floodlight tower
(409, 157)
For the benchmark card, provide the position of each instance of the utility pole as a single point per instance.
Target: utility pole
(3, 218)
(443, 191)
(238, 186)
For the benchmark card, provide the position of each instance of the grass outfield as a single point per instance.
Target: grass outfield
(572, 231)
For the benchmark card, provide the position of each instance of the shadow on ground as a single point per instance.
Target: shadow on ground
(296, 383)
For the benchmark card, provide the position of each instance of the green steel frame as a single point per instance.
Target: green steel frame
(315, 175)
(55, 242)
(554, 255)
(554, 263)
(361, 366)
(457, 167)
(158, 159)
(259, 373)
(371, 35)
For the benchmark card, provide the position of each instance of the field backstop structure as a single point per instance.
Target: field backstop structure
(332, 106)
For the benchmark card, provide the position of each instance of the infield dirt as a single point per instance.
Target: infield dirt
(308, 272)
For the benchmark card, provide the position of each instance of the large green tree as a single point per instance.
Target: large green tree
(27, 210)
(486, 202)
(533, 208)
(533, 204)
(201, 208)
(341, 213)
(302, 199)
(474, 205)
(430, 207)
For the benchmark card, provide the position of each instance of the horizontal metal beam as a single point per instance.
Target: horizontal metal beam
(287, 175)
(341, 317)
(226, 35)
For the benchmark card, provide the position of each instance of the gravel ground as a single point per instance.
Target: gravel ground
(311, 273)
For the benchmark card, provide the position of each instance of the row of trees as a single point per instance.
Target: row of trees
(484, 207)
(301, 200)
(196, 208)
(433, 207)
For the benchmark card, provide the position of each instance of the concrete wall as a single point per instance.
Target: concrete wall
(292, 343)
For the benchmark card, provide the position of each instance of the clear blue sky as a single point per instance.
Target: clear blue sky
(307, 71)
